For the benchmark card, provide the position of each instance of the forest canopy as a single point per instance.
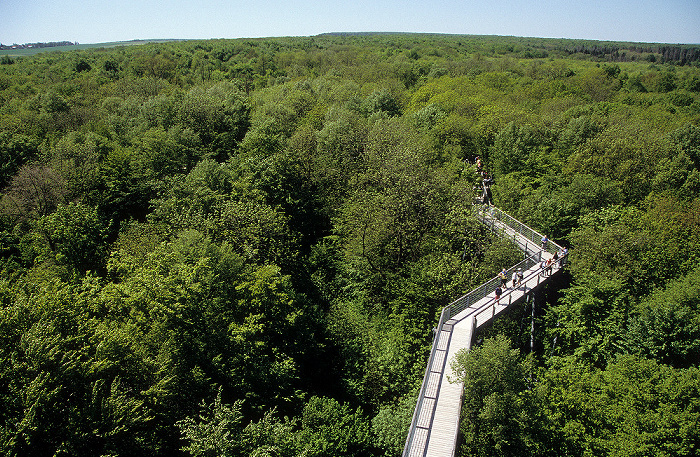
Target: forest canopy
(241, 247)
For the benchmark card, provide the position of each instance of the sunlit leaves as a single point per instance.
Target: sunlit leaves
(75, 236)
(493, 377)
(633, 405)
(666, 326)
(220, 115)
(211, 200)
(217, 430)
(330, 428)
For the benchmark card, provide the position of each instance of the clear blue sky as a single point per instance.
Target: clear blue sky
(99, 21)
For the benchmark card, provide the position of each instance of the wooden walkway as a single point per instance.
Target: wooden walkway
(435, 424)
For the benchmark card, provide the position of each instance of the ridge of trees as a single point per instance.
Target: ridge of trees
(521, 47)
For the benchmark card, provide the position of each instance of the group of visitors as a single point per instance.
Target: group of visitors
(516, 278)
(546, 266)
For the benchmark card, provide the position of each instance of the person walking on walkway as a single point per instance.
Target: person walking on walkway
(487, 197)
(498, 293)
(519, 277)
(504, 278)
(562, 256)
(544, 241)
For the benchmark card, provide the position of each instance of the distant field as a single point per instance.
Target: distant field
(77, 47)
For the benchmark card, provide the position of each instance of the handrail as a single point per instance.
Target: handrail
(492, 303)
(424, 385)
(495, 214)
(465, 301)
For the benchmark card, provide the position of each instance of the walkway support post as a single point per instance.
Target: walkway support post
(531, 299)
(472, 325)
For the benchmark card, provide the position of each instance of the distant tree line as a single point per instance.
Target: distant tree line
(674, 54)
(50, 44)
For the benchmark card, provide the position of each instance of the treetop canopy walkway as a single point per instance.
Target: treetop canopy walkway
(435, 425)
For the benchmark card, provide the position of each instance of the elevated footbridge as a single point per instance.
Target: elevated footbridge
(435, 425)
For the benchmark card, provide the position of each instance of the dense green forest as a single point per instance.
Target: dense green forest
(240, 247)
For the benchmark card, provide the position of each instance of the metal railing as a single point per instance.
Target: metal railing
(444, 317)
(493, 217)
(539, 274)
(490, 286)
(529, 241)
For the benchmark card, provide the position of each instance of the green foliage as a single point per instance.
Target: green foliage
(630, 406)
(500, 253)
(381, 102)
(590, 320)
(635, 406)
(516, 149)
(211, 200)
(218, 431)
(666, 81)
(15, 151)
(66, 394)
(75, 237)
(609, 243)
(281, 220)
(688, 140)
(665, 326)
(329, 429)
(398, 203)
(219, 115)
(493, 376)
(391, 424)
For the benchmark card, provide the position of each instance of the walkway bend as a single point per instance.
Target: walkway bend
(435, 424)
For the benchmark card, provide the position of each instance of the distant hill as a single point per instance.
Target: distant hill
(29, 49)
(526, 47)
(50, 44)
